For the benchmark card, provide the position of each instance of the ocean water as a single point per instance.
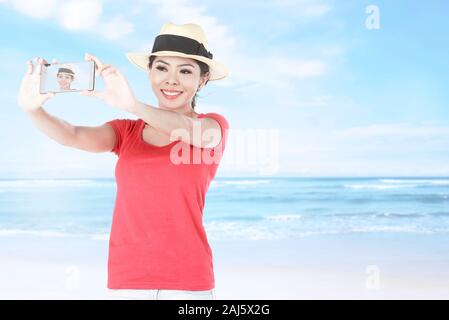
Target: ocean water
(240, 208)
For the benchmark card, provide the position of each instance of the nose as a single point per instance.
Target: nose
(172, 78)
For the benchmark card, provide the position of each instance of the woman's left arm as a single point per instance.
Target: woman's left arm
(199, 132)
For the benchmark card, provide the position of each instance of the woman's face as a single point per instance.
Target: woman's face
(181, 75)
(64, 80)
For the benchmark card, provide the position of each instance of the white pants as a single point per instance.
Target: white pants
(160, 294)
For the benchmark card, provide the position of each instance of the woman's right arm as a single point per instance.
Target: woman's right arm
(92, 139)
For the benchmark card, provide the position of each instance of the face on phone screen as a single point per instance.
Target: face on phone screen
(68, 77)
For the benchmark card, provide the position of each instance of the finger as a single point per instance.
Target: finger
(85, 93)
(105, 67)
(107, 71)
(90, 93)
(44, 61)
(30, 67)
(93, 58)
(40, 65)
(47, 96)
(31, 62)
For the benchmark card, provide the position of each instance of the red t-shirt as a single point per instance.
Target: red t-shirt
(157, 238)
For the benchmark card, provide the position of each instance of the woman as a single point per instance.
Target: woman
(158, 247)
(65, 78)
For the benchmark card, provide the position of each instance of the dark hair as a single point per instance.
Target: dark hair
(204, 68)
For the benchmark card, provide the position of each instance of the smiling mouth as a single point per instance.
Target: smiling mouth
(171, 94)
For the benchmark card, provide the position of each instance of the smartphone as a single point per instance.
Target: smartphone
(67, 77)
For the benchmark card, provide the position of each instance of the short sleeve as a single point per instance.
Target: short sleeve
(224, 125)
(121, 128)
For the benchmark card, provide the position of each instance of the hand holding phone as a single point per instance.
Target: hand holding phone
(68, 77)
(29, 98)
(117, 91)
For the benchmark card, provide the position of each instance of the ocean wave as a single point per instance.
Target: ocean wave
(235, 230)
(100, 236)
(370, 229)
(371, 214)
(440, 214)
(431, 198)
(417, 181)
(240, 217)
(394, 229)
(316, 209)
(376, 186)
(52, 234)
(41, 233)
(260, 199)
(243, 183)
(400, 215)
(217, 230)
(423, 198)
(284, 217)
(51, 183)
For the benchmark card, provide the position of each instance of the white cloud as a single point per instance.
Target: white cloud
(316, 10)
(332, 50)
(75, 16)
(373, 149)
(297, 68)
(219, 36)
(394, 131)
(304, 8)
(278, 77)
(224, 41)
(274, 72)
(40, 9)
(327, 152)
(311, 102)
(116, 28)
(80, 15)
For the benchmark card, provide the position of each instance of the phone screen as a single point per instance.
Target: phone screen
(68, 77)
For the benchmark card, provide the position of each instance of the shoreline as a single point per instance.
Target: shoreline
(356, 266)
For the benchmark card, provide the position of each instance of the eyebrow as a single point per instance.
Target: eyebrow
(186, 64)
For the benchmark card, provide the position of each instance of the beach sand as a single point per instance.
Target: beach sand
(353, 266)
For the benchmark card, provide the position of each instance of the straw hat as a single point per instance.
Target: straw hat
(185, 40)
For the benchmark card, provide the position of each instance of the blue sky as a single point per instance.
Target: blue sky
(312, 90)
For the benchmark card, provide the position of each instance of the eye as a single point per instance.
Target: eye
(184, 71)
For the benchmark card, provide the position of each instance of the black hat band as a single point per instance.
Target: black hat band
(171, 42)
